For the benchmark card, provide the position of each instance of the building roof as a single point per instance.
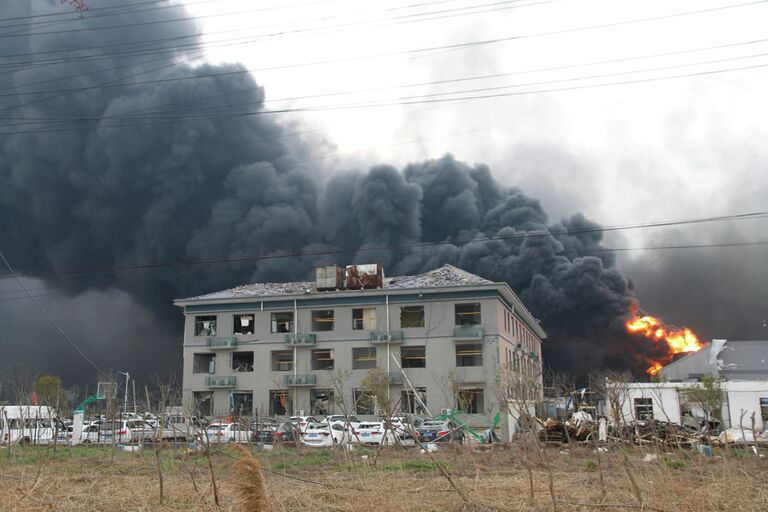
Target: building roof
(444, 277)
(732, 359)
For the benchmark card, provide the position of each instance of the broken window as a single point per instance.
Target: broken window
(363, 358)
(469, 354)
(470, 401)
(203, 363)
(203, 403)
(644, 408)
(411, 316)
(364, 319)
(764, 411)
(413, 357)
(242, 403)
(280, 402)
(282, 360)
(410, 404)
(243, 324)
(242, 361)
(467, 314)
(282, 322)
(321, 402)
(322, 359)
(205, 325)
(322, 320)
(365, 402)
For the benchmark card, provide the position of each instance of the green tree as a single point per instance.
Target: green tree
(708, 394)
(48, 389)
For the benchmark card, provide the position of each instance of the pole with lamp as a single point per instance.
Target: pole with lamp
(125, 399)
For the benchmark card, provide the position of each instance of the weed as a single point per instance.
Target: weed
(674, 463)
(591, 465)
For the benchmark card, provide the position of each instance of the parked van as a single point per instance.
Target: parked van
(30, 424)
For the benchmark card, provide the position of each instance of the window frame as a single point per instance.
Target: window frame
(317, 320)
(457, 315)
(469, 357)
(199, 325)
(275, 365)
(362, 319)
(245, 368)
(475, 405)
(274, 322)
(404, 309)
(211, 356)
(319, 366)
(643, 408)
(370, 357)
(237, 324)
(411, 348)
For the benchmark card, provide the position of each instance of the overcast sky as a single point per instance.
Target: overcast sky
(629, 112)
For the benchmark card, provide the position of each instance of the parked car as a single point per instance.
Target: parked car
(29, 424)
(287, 432)
(340, 418)
(372, 433)
(263, 430)
(226, 433)
(107, 432)
(401, 428)
(303, 421)
(323, 435)
(440, 431)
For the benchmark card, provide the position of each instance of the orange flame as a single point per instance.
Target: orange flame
(677, 340)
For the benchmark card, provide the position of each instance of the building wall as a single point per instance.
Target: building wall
(740, 397)
(502, 343)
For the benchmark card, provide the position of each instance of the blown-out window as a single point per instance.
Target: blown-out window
(205, 325)
(411, 316)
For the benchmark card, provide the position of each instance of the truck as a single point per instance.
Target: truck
(30, 424)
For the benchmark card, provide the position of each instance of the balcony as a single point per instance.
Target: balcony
(220, 382)
(300, 380)
(382, 337)
(469, 333)
(396, 378)
(222, 343)
(301, 340)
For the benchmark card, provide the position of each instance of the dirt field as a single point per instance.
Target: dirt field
(96, 478)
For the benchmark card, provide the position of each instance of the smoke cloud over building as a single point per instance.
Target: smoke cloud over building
(187, 166)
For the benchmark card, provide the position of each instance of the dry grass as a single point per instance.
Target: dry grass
(83, 479)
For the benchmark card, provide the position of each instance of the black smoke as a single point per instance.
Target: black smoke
(110, 190)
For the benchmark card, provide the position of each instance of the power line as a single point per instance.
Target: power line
(249, 11)
(53, 322)
(388, 54)
(516, 236)
(348, 106)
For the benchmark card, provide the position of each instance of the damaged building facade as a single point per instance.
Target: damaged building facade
(445, 339)
(741, 370)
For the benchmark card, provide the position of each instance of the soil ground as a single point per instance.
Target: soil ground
(506, 478)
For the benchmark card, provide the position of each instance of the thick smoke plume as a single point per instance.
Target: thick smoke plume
(117, 192)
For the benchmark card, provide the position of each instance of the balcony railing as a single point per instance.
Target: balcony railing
(469, 333)
(300, 380)
(222, 343)
(220, 382)
(300, 340)
(383, 337)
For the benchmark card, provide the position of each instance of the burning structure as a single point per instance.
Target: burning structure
(442, 338)
(670, 340)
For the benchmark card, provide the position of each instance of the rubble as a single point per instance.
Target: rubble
(582, 428)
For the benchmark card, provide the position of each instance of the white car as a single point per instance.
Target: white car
(226, 433)
(107, 432)
(372, 433)
(344, 420)
(323, 435)
(303, 421)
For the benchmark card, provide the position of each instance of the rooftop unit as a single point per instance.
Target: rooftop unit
(328, 278)
(365, 276)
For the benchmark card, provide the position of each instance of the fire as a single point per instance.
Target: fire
(677, 340)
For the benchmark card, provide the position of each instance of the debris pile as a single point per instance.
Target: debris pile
(584, 429)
